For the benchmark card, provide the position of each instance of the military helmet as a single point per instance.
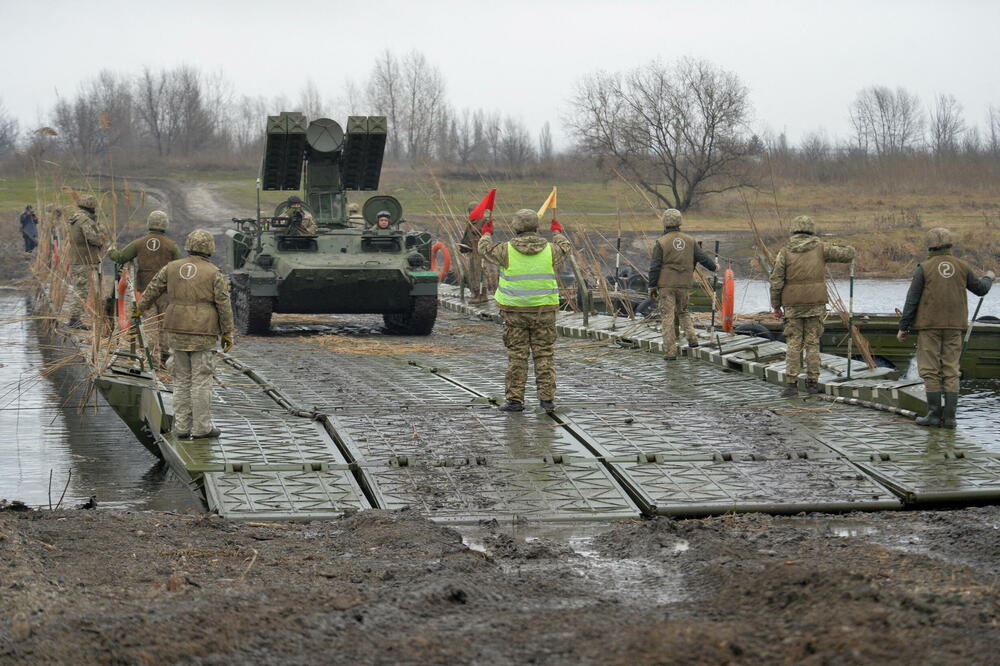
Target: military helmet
(157, 221)
(938, 238)
(200, 241)
(88, 201)
(294, 199)
(803, 224)
(472, 206)
(525, 220)
(383, 213)
(353, 208)
(671, 218)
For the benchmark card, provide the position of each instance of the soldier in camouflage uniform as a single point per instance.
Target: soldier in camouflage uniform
(87, 238)
(300, 221)
(150, 253)
(198, 313)
(937, 307)
(474, 260)
(798, 293)
(528, 296)
(354, 216)
(671, 274)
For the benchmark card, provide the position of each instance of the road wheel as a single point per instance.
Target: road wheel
(418, 321)
(251, 314)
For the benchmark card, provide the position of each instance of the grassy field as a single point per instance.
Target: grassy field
(886, 226)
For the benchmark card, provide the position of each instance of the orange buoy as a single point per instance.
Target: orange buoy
(728, 300)
(442, 271)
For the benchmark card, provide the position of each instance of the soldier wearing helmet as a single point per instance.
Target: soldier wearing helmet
(300, 220)
(474, 260)
(87, 238)
(198, 315)
(383, 219)
(937, 308)
(798, 293)
(150, 253)
(528, 296)
(671, 274)
(354, 216)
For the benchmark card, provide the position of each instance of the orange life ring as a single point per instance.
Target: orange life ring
(443, 270)
(728, 300)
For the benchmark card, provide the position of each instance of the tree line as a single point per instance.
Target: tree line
(678, 130)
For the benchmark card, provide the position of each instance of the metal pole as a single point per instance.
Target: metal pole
(258, 200)
(968, 333)
(850, 324)
(618, 250)
(715, 285)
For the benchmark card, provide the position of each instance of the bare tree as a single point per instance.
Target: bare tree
(815, 147)
(311, 101)
(424, 91)
(516, 147)
(947, 125)
(887, 122)
(386, 97)
(993, 130)
(8, 131)
(545, 150)
(683, 126)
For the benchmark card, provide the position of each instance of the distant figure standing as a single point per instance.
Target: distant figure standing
(528, 296)
(937, 307)
(798, 293)
(470, 248)
(671, 274)
(87, 238)
(198, 313)
(29, 228)
(150, 253)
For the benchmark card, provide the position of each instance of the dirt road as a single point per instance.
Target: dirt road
(375, 587)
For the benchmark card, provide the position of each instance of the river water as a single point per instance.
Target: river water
(43, 430)
(89, 451)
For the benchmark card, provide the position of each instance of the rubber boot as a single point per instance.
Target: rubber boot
(932, 418)
(791, 390)
(950, 407)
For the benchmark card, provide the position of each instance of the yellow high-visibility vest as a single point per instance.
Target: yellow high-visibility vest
(529, 279)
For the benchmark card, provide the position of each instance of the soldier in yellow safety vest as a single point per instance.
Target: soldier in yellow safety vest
(528, 296)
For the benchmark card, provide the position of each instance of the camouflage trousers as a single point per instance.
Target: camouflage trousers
(193, 391)
(80, 278)
(802, 336)
(474, 273)
(674, 312)
(530, 334)
(152, 323)
(938, 353)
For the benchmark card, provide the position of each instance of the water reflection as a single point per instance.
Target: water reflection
(87, 450)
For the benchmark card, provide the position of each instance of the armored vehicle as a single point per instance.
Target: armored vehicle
(335, 264)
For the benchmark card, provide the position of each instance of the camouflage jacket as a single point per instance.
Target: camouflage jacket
(832, 253)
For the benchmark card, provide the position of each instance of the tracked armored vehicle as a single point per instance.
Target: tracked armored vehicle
(346, 265)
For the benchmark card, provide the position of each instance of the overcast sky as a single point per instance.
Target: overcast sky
(803, 61)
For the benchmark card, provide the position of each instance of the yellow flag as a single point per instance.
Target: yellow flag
(549, 203)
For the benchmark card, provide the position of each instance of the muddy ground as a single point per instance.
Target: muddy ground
(379, 587)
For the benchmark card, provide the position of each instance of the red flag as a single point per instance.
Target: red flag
(485, 205)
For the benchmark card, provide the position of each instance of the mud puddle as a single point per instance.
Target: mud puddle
(45, 429)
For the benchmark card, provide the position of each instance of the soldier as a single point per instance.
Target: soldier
(198, 313)
(937, 308)
(798, 293)
(528, 296)
(87, 238)
(671, 274)
(151, 253)
(354, 217)
(470, 247)
(300, 221)
(383, 219)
